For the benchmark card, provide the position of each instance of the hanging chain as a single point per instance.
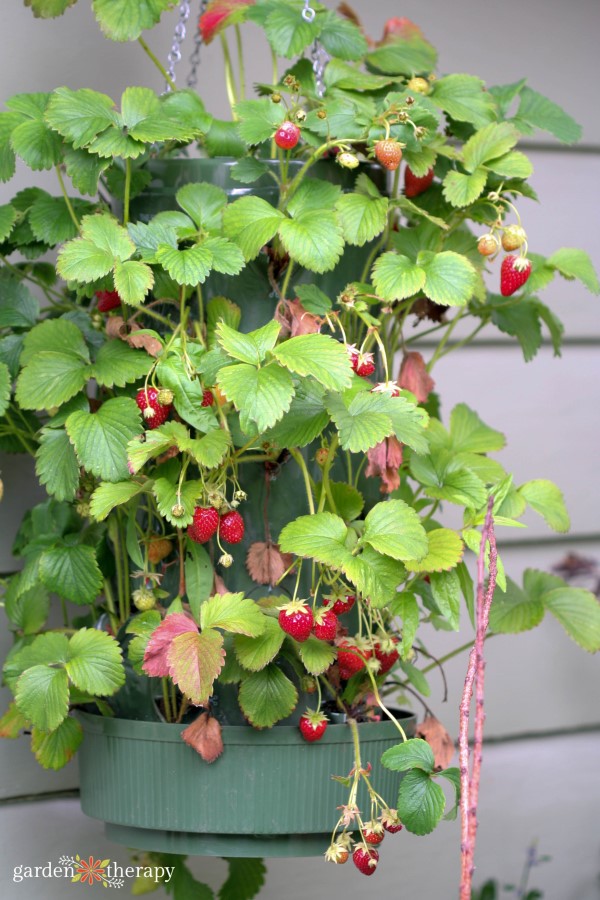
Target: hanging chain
(178, 38)
(192, 79)
(319, 56)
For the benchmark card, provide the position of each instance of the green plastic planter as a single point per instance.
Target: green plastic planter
(269, 794)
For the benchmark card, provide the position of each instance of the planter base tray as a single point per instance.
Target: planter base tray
(227, 845)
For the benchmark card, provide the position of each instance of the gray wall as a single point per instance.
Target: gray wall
(547, 408)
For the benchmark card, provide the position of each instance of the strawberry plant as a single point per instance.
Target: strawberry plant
(253, 494)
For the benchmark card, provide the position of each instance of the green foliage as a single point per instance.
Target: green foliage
(267, 696)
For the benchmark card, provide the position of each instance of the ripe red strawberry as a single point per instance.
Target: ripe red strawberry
(365, 859)
(154, 412)
(351, 659)
(313, 725)
(389, 154)
(325, 627)
(107, 300)
(207, 398)
(391, 822)
(373, 833)
(206, 522)
(413, 185)
(514, 272)
(287, 135)
(342, 603)
(363, 364)
(231, 527)
(386, 653)
(296, 619)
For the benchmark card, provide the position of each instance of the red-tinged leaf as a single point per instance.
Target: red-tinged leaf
(385, 460)
(195, 660)
(219, 586)
(266, 563)
(432, 731)
(13, 722)
(218, 15)
(155, 657)
(415, 377)
(204, 735)
(295, 320)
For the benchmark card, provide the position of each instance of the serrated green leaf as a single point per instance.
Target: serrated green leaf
(412, 754)
(317, 656)
(59, 334)
(26, 610)
(490, 142)
(95, 663)
(578, 611)
(155, 442)
(51, 222)
(133, 279)
(412, 56)
(186, 266)
(54, 750)
(167, 496)
(204, 203)
(233, 612)
(100, 439)
(79, 115)
(321, 536)
(108, 495)
(470, 434)
(118, 364)
(444, 552)
(195, 661)
(547, 499)
(188, 394)
(248, 170)
(262, 395)
(318, 356)
(199, 577)
(313, 239)
(288, 33)
(259, 119)
(48, 9)
(358, 432)
(515, 610)
(72, 572)
(84, 170)
(209, 450)
(462, 189)
(349, 502)
(362, 217)
(397, 277)
(245, 879)
(5, 387)
(56, 464)
(13, 722)
(36, 144)
(248, 348)
(450, 278)
(573, 263)
(312, 195)
(46, 649)
(512, 165)
(50, 379)
(375, 576)
(394, 529)
(421, 802)
(18, 307)
(445, 479)
(313, 299)
(254, 653)
(445, 589)
(251, 222)
(267, 696)
(405, 605)
(124, 20)
(538, 111)
(42, 694)
(305, 419)
(464, 98)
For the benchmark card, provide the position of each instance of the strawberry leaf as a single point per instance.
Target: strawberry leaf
(42, 694)
(267, 696)
(72, 572)
(100, 439)
(194, 661)
(95, 664)
(234, 613)
(155, 658)
(54, 750)
(254, 653)
(394, 529)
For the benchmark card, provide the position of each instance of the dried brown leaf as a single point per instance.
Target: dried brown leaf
(415, 377)
(266, 563)
(295, 320)
(116, 327)
(432, 731)
(142, 341)
(204, 735)
(385, 460)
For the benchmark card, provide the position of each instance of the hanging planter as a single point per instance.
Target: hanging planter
(268, 794)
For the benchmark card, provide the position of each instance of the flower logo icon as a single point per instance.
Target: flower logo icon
(91, 870)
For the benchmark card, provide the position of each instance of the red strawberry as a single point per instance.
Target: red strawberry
(342, 603)
(391, 822)
(373, 833)
(313, 725)
(325, 627)
(107, 300)
(231, 527)
(351, 659)
(389, 154)
(296, 619)
(514, 272)
(413, 185)
(206, 522)
(365, 859)
(287, 135)
(386, 653)
(154, 412)
(207, 398)
(363, 364)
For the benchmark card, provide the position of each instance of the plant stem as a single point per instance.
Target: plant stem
(127, 191)
(166, 701)
(157, 63)
(229, 80)
(286, 280)
(68, 203)
(299, 459)
(382, 705)
(326, 487)
(240, 53)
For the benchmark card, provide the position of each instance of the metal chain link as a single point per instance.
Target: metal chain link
(192, 79)
(174, 56)
(319, 56)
